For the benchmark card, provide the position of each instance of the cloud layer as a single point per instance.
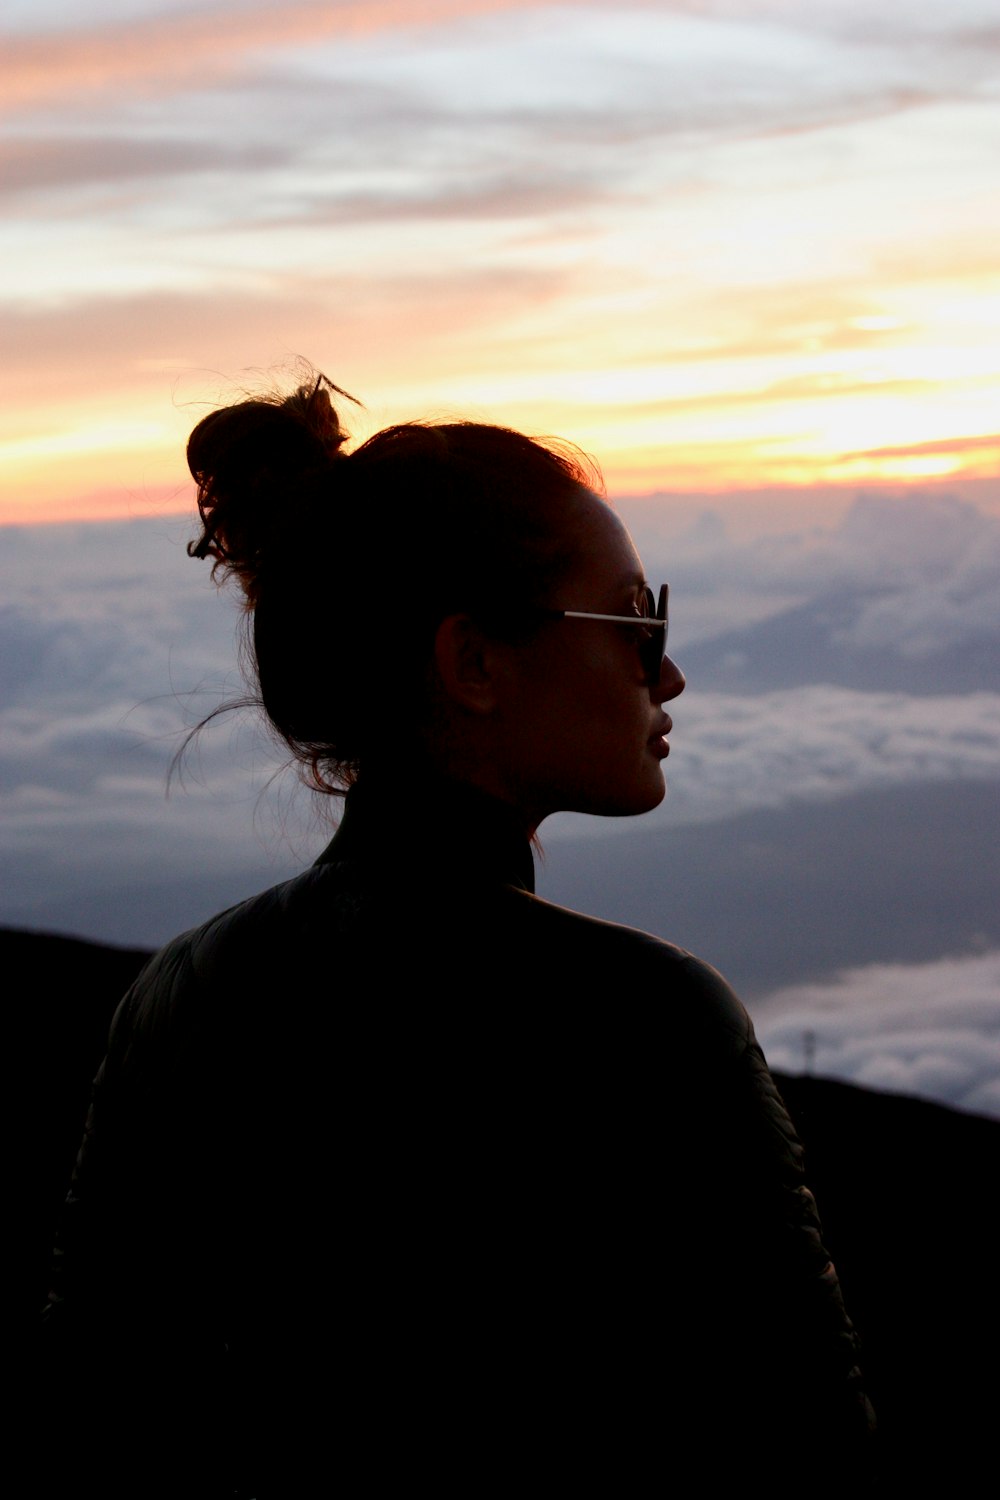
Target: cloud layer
(733, 754)
(928, 1029)
(113, 643)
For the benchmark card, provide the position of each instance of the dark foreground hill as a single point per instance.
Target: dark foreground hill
(906, 1189)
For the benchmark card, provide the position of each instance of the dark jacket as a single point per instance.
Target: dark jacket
(397, 1165)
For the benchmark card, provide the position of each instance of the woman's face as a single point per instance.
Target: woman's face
(582, 728)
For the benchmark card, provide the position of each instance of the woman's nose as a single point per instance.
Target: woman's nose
(671, 681)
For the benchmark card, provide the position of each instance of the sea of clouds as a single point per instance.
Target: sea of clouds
(113, 643)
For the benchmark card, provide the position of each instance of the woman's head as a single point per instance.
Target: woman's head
(581, 724)
(351, 564)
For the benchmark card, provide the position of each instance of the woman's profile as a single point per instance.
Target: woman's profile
(397, 1173)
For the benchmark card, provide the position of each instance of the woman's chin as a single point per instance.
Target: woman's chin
(657, 794)
(642, 800)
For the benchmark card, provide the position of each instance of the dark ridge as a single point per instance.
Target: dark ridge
(70, 988)
(903, 1186)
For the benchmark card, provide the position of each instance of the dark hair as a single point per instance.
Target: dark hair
(349, 562)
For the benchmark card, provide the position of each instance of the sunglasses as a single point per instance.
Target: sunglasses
(653, 620)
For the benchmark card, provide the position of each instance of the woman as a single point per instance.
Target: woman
(397, 1168)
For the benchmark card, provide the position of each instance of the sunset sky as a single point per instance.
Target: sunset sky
(745, 252)
(722, 244)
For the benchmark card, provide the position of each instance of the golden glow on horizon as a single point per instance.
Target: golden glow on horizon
(788, 277)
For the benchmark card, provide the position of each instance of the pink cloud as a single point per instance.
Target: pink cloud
(159, 52)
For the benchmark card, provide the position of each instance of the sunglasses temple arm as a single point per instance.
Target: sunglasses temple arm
(586, 614)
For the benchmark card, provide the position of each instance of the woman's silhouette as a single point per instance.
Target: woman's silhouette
(397, 1174)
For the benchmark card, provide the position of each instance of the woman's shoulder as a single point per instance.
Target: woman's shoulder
(689, 987)
(267, 938)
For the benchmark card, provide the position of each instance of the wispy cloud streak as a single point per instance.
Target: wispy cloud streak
(164, 50)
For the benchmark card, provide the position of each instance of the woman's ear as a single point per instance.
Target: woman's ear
(467, 663)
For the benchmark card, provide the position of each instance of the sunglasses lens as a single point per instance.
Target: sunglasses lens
(654, 647)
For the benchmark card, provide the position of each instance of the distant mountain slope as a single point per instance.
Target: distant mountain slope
(902, 1186)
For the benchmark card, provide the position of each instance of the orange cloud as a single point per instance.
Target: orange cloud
(989, 441)
(752, 464)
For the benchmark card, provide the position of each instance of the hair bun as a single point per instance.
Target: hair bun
(254, 462)
(312, 407)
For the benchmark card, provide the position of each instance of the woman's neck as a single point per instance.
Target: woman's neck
(430, 822)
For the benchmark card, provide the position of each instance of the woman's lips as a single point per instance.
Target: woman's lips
(658, 739)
